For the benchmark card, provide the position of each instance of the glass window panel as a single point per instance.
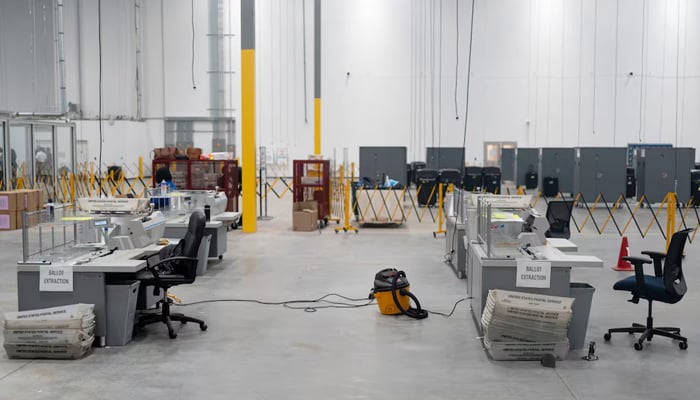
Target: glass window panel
(43, 155)
(64, 150)
(22, 160)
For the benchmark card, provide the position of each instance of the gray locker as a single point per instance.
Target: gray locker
(438, 158)
(600, 170)
(527, 160)
(508, 164)
(661, 170)
(559, 162)
(379, 162)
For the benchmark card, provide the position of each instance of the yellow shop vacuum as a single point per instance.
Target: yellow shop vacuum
(393, 294)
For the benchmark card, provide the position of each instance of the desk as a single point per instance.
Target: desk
(229, 218)
(562, 244)
(454, 245)
(500, 273)
(176, 227)
(89, 284)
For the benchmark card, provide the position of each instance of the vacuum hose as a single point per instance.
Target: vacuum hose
(418, 312)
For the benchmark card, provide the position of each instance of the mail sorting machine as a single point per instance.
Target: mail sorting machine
(214, 204)
(177, 206)
(510, 239)
(460, 221)
(107, 241)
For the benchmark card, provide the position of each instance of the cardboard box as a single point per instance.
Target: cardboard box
(43, 198)
(8, 201)
(8, 220)
(32, 219)
(305, 216)
(28, 199)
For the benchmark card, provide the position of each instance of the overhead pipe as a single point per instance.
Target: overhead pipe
(55, 115)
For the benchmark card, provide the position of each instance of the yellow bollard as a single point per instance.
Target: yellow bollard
(670, 217)
(346, 204)
(440, 230)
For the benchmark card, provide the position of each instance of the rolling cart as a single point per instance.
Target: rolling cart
(312, 182)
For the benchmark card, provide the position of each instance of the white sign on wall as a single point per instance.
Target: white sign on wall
(533, 274)
(54, 278)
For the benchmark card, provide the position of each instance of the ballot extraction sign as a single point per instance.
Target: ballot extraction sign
(533, 274)
(55, 278)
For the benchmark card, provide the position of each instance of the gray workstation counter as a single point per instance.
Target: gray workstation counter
(486, 273)
(89, 283)
(176, 227)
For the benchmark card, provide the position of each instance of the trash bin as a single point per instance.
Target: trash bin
(583, 295)
(121, 311)
(203, 254)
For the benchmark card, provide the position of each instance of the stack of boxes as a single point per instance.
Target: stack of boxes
(525, 326)
(65, 332)
(14, 203)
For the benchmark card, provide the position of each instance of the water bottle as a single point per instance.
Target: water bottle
(163, 188)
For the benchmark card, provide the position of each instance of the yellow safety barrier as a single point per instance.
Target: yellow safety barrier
(345, 186)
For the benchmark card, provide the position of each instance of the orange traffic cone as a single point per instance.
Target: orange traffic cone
(623, 265)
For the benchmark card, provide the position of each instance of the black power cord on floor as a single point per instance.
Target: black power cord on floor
(303, 304)
(454, 307)
(296, 304)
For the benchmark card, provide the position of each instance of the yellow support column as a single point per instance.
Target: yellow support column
(317, 77)
(248, 162)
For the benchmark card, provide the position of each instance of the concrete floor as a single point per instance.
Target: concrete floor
(265, 352)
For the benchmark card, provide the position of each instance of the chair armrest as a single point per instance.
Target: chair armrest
(178, 258)
(152, 267)
(638, 263)
(657, 256)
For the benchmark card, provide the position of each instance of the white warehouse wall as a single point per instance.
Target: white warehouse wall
(543, 73)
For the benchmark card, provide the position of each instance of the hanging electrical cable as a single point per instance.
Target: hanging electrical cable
(194, 84)
(549, 77)
(469, 77)
(303, 24)
(432, 73)
(459, 199)
(678, 55)
(456, 56)
(440, 78)
(411, 95)
(99, 84)
(595, 63)
(642, 78)
(685, 64)
(563, 57)
(617, 38)
(580, 71)
(663, 76)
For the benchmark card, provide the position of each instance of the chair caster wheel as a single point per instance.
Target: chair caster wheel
(683, 345)
(203, 327)
(638, 346)
(172, 334)
(607, 337)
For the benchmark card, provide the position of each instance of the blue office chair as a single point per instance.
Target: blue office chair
(180, 267)
(666, 285)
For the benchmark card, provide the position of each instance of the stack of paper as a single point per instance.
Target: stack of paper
(524, 326)
(65, 332)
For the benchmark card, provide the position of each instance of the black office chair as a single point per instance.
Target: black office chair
(558, 215)
(667, 285)
(180, 267)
